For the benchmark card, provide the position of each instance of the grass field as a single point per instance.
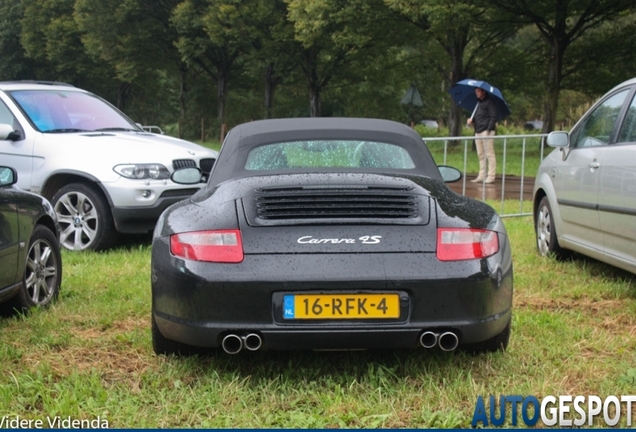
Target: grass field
(90, 355)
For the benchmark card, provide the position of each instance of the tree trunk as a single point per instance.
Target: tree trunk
(309, 66)
(314, 101)
(182, 102)
(553, 84)
(221, 94)
(456, 40)
(122, 96)
(270, 87)
(455, 121)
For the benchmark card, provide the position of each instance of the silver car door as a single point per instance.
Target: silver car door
(577, 178)
(617, 198)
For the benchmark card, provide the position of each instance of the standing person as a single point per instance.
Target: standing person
(484, 119)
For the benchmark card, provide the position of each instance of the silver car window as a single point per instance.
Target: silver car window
(328, 154)
(58, 110)
(628, 129)
(7, 117)
(596, 129)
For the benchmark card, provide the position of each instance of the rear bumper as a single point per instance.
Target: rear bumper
(200, 303)
(353, 337)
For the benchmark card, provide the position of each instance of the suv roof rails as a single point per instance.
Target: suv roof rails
(38, 82)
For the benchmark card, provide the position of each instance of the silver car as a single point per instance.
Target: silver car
(585, 190)
(102, 173)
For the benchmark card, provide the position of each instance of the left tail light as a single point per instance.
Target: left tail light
(222, 246)
(455, 244)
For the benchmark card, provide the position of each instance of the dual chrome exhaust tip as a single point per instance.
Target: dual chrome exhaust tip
(446, 341)
(234, 343)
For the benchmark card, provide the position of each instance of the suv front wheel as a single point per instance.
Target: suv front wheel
(84, 216)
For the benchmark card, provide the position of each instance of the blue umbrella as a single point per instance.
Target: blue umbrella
(463, 93)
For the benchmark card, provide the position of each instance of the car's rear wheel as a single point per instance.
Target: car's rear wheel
(85, 218)
(547, 242)
(496, 343)
(43, 274)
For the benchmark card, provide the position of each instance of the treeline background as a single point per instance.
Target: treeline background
(191, 66)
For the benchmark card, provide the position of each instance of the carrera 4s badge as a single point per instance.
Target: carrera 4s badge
(363, 240)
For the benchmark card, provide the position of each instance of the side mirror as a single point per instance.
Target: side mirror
(186, 176)
(8, 133)
(449, 174)
(8, 176)
(558, 139)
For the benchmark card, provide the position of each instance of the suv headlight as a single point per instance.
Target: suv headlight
(143, 171)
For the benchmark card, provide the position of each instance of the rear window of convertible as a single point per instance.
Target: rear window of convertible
(328, 154)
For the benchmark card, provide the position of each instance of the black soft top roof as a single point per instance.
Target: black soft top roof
(241, 139)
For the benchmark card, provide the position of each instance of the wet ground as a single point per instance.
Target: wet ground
(512, 188)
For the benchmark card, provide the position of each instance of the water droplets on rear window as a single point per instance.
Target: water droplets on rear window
(328, 154)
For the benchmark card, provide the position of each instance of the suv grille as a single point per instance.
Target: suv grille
(336, 202)
(183, 163)
(206, 165)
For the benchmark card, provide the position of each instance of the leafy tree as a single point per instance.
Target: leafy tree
(51, 37)
(589, 66)
(15, 65)
(334, 35)
(464, 31)
(386, 77)
(274, 41)
(138, 40)
(215, 36)
(157, 58)
(134, 35)
(561, 23)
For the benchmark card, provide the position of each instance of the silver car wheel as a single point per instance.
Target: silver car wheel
(78, 219)
(41, 272)
(544, 230)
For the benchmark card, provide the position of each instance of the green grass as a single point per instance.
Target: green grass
(90, 355)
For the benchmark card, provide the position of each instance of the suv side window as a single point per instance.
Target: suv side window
(598, 126)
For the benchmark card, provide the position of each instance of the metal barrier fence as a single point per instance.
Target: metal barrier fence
(503, 145)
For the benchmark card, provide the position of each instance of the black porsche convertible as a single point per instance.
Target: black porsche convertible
(326, 234)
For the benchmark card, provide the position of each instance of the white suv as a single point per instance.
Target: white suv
(102, 172)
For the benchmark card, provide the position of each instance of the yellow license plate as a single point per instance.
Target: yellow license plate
(341, 306)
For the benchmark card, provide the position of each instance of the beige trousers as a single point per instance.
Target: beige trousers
(486, 153)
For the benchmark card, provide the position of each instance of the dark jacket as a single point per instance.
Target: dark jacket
(485, 117)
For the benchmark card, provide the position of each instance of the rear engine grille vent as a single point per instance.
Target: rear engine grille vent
(183, 163)
(338, 203)
(206, 165)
